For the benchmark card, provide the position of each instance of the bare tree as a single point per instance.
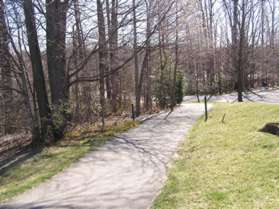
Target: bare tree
(136, 61)
(38, 73)
(6, 73)
(56, 16)
(102, 58)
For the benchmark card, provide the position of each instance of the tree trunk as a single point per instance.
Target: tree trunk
(113, 43)
(5, 72)
(173, 102)
(102, 58)
(37, 69)
(235, 51)
(56, 15)
(148, 96)
(79, 54)
(108, 67)
(136, 61)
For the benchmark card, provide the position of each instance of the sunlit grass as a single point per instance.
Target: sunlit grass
(55, 159)
(227, 165)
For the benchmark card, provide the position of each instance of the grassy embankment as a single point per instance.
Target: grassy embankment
(227, 165)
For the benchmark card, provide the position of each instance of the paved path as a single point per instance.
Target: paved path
(126, 173)
(263, 96)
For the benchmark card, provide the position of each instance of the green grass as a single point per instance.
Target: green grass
(226, 165)
(55, 159)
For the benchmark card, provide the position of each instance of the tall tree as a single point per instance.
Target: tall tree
(56, 16)
(263, 30)
(147, 64)
(136, 60)
(102, 58)
(78, 51)
(108, 67)
(37, 69)
(5, 72)
(176, 48)
(236, 51)
(113, 50)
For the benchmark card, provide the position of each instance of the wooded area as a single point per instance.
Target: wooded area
(67, 62)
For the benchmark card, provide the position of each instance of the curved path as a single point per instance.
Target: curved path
(126, 173)
(270, 96)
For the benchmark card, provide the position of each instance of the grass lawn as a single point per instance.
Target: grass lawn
(227, 165)
(54, 159)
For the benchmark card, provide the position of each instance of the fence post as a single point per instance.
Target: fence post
(205, 106)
